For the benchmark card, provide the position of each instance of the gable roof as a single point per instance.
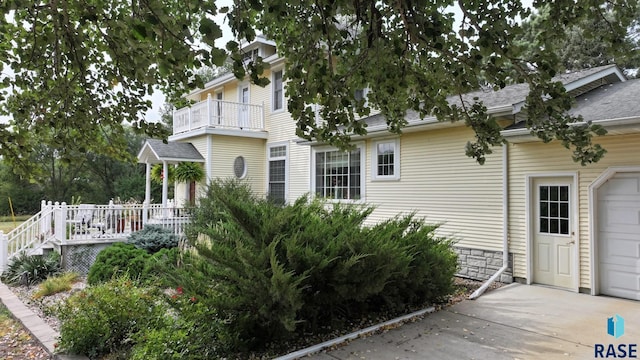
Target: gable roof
(614, 106)
(156, 151)
(611, 101)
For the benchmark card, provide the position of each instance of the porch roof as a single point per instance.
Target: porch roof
(155, 151)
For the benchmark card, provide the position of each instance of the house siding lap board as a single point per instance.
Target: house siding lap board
(227, 148)
(442, 185)
(535, 158)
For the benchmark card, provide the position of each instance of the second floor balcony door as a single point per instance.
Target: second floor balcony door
(243, 110)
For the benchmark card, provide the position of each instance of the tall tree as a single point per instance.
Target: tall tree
(81, 67)
(73, 65)
(585, 43)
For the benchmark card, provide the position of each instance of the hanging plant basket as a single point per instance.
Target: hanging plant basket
(189, 172)
(157, 174)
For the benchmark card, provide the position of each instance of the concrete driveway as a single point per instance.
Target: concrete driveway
(513, 322)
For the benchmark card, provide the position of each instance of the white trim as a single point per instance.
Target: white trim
(286, 166)
(363, 181)
(242, 85)
(208, 163)
(365, 95)
(396, 160)
(256, 134)
(273, 97)
(244, 168)
(525, 134)
(612, 70)
(574, 223)
(593, 217)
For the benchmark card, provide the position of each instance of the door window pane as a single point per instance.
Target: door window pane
(553, 209)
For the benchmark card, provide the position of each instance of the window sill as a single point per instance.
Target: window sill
(385, 178)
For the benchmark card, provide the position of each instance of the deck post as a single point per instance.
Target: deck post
(145, 214)
(60, 222)
(46, 220)
(262, 117)
(4, 252)
(209, 117)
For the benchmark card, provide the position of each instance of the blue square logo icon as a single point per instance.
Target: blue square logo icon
(615, 326)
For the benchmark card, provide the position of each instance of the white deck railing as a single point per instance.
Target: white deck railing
(219, 114)
(65, 224)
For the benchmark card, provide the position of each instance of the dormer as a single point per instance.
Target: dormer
(260, 46)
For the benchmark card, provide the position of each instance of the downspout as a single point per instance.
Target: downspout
(505, 226)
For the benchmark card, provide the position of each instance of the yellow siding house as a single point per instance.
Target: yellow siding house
(528, 214)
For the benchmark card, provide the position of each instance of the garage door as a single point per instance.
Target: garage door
(619, 236)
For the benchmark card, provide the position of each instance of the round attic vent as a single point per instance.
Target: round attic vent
(240, 167)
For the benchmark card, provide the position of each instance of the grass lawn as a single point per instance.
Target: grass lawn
(7, 224)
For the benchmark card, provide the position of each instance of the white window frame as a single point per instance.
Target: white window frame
(273, 91)
(365, 95)
(396, 160)
(286, 166)
(363, 179)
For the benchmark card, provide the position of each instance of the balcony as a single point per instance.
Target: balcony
(219, 114)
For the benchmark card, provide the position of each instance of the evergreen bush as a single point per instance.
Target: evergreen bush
(281, 270)
(117, 259)
(153, 238)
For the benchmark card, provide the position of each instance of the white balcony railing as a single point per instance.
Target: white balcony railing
(219, 114)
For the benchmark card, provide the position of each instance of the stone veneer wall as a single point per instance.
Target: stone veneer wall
(480, 264)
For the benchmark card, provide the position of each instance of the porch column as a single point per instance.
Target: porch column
(147, 188)
(165, 183)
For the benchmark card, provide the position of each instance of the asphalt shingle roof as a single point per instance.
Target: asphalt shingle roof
(610, 101)
(509, 95)
(174, 151)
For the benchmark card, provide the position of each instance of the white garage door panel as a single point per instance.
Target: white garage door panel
(619, 236)
(624, 184)
(621, 283)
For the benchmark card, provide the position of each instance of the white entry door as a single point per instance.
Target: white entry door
(618, 236)
(243, 110)
(553, 234)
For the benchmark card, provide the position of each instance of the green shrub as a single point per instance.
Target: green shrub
(105, 318)
(27, 269)
(117, 259)
(282, 270)
(153, 238)
(191, 330)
